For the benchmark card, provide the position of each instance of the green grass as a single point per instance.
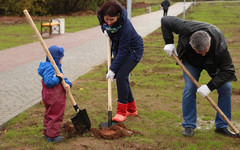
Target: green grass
(15, 35)
(77, 23)
(146, 1)
(157, 90)
(20, 34)
(12, 35)
(141, 11)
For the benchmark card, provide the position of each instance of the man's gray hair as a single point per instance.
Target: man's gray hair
(200, 40)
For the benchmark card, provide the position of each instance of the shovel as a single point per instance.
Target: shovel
(207, 97)
(81, 120)
(109, 123)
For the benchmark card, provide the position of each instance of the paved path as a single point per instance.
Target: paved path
(20, 83)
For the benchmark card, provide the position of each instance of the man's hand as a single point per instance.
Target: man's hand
(203, 90)
(169, 49)
(110, 75)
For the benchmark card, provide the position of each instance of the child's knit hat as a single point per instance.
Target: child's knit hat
(56, 52)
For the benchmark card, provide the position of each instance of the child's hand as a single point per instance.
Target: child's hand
(60, 75)
(67, 87)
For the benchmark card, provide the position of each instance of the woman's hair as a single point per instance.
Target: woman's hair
(110, 8)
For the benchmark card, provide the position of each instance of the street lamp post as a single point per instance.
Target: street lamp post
(184, 10)
(191, 5)
(129, 9)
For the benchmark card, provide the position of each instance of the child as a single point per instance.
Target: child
(53, 94)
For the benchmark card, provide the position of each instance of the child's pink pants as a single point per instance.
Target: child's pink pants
(54, 99)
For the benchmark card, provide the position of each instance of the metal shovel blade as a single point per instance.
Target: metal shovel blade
(109, 123)
(81, 121)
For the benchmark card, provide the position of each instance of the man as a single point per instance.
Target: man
(165, 4)
(201, 46)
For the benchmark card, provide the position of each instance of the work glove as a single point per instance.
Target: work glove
(110, 75)
(203, 90)
(169, 49)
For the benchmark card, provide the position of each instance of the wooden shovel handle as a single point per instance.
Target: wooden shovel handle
(109, 80)
(207, 97)
(47, 52)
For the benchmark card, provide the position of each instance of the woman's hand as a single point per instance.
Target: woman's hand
(110, 75)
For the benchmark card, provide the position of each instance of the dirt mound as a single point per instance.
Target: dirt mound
(113, 132)
(69, 130)
(236, 92)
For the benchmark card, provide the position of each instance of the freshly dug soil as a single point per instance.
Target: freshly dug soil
(113, 132)
(235, 92)
(69, 130)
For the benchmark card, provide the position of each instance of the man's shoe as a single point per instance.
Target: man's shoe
(188, 131)
(225, 131)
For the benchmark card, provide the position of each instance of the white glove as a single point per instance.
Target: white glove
(203, 90)
(169, 49)
(105, 33)
(110, 75)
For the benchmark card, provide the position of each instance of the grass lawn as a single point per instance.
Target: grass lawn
(158, 92)
(19, 34)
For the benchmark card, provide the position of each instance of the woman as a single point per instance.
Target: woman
(127, 48)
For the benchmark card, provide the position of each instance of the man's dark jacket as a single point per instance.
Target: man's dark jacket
(218, 65)
(165, 4)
